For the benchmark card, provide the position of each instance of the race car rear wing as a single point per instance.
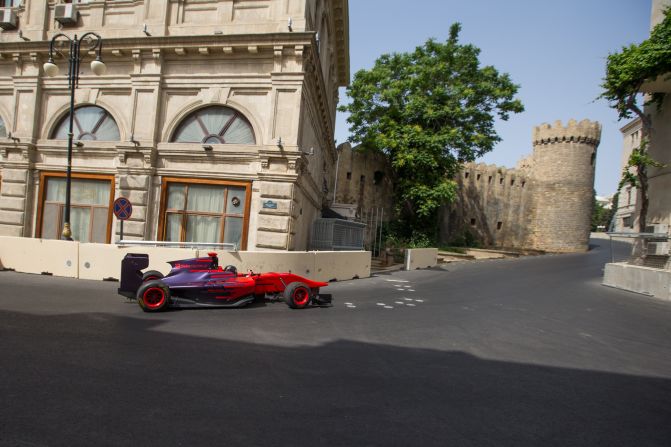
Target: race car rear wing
(131, 273)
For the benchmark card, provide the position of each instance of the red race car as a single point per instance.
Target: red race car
(201, 282)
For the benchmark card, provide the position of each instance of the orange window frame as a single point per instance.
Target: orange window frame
(44, 176)
(187, 181)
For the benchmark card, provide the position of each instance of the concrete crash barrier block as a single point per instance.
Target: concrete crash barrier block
(99, 261)
(639, 279)
(417, 258)
(300, 263)
(341, 265)
(28, 255)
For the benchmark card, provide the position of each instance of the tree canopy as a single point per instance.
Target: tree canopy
(628, 69)
(429, 111)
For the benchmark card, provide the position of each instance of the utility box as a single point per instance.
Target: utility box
(66, 14)
(8, 19)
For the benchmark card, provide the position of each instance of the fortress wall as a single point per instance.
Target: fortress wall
(493, 204)
(364, 179)
(545, 203)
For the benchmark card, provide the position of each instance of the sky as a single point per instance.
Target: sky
(554, 50)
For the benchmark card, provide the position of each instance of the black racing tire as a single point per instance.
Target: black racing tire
(153, 296)
(297, 295)
(150, 275)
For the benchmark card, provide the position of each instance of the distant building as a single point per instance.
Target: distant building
(626, 215)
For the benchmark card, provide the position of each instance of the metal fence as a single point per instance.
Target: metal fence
(337, 235)
(373, 218)
(192, 245)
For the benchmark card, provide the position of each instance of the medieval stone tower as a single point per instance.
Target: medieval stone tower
(545, 203)
(563, 183)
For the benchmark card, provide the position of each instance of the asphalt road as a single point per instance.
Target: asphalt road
(517, 352)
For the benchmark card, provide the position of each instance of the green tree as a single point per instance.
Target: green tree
(626, 72)
(428, 111)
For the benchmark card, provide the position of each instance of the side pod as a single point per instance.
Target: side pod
(131, 273)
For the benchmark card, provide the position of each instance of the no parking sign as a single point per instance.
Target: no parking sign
(122, 209)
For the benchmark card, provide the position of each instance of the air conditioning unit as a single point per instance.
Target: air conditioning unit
(657, 229)
(66, 14)
(658, 248)
(8, 19)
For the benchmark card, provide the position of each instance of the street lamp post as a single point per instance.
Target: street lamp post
(51, 69)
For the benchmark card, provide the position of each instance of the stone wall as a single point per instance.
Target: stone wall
(364, 180)
(493, 205)
(544, 204)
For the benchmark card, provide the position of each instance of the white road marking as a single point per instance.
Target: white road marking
(407, 287)
(351, 307)
(409, 290)
(410, 304)
(348, 304)
(380, 304)
(396, 280)
(399, 302)
(407, 299)
(388, 307)
(420, 301)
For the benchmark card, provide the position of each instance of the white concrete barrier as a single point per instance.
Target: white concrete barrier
(59, 258)
(100, 261)
(417, 258)
(341, 265)
(639, 279)
(298, 262)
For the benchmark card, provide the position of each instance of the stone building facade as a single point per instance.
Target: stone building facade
(545, 203)
(215, 118)
(626, 214)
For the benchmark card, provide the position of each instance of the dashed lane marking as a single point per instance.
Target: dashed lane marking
(396, 280)
(410, 304)
(381, 304)
(388, 307)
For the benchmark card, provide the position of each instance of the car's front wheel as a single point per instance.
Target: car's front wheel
(153, 296)
(297, 295)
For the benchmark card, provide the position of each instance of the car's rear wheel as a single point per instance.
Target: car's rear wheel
(297, 295)
(151, 275)
(153, 296)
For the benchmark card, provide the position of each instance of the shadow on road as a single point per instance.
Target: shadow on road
(94, 379)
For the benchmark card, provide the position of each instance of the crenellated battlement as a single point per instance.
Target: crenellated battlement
(585, 131)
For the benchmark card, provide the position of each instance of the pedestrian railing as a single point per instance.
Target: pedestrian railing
(170, 244)
(646, 249)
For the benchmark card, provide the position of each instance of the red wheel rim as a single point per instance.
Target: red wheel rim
(153, 297)
(301, 296)
(151, 278)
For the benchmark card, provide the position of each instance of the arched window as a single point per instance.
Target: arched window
(3, 130)
(90, 123)
(215, 125)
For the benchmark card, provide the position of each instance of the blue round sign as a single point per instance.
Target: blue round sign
(122, 208)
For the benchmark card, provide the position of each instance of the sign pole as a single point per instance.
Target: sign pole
(121, 232)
